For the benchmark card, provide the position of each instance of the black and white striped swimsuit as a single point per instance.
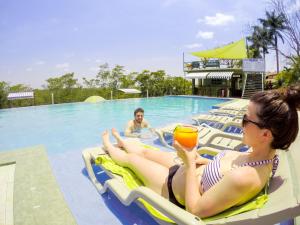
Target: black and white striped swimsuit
(211, 174)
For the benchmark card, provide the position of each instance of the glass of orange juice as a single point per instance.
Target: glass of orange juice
(186, 135)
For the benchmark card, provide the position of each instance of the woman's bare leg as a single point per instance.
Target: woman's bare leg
(151, 173)
(164, 158)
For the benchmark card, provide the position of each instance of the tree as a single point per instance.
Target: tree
(275, 23)
(128, 81)
(20, 88)
(4, 88)
(292, 22)
(103, 76)
(89, 83)
(66, 81)
(115, 76)
(289, 75)
(143, 81)
(261, 40)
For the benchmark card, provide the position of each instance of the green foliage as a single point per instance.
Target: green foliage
(289, 75)
(65, 88)
(4, 88)
(66, 81)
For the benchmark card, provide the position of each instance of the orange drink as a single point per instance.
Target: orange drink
(186, 135)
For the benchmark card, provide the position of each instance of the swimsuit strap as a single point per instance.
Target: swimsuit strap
(275, 161)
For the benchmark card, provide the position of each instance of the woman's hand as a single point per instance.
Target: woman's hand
(189, 157)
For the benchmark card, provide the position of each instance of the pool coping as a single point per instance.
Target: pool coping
(37, 198)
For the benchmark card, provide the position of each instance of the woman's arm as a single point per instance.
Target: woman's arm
(235, 187)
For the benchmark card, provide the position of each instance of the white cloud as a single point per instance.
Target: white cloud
(94, 69)
(194, 45)
(63, 66)
(167, 3)
(219, 19)
(28, 69)
(39, 62)
(205, 34)
(98, 61)
(295, 7)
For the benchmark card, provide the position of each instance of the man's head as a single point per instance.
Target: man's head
(139, 115)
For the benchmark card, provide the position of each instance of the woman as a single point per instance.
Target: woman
(206, 187)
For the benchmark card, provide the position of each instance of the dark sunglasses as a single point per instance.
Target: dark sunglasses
(246, 120)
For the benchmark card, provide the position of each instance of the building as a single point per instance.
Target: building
(225, 72)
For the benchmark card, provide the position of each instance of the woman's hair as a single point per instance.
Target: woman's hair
(278, 112)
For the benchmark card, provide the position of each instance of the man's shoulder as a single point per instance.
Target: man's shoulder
(130, 123)
(145, 123)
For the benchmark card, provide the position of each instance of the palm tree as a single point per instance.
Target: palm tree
(275, 25)
(260, 39)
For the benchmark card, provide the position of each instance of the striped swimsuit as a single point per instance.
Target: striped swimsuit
(211, 174)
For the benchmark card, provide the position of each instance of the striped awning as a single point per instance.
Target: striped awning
(201, 75)
(130, 90)
(220, 75)
(20, 95)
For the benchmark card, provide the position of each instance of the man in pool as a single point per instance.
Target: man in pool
(135, 126)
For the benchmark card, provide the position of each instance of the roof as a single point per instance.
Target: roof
(235, 50)
(210, 75)
(130, 90)
(20, 95)
(200, 75)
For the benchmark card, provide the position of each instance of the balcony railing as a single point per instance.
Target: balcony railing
(212, 64)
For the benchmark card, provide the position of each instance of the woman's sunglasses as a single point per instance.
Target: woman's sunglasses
(246, 120)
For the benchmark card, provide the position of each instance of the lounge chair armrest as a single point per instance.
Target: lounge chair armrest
(178, 215)
(233, 123)
(175, 213)
(227, 135)
(160, 135)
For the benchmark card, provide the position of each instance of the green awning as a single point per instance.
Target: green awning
(235, 50)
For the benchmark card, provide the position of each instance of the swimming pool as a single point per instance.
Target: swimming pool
(66, 129)
(70, 127)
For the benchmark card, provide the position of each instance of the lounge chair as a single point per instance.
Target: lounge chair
(224, 123)
(236, 104)
(208, 136)
(228, 112)
(283, 195)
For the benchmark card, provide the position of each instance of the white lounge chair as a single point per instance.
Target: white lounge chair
(224, 123)
(207, 135)
(228, 112)
(235, 104)
(283, 195)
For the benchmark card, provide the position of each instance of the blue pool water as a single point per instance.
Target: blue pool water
(66, 129)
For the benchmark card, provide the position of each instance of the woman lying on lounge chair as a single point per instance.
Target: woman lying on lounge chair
(206, 187)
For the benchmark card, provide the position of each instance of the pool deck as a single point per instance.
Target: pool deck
(29, 193)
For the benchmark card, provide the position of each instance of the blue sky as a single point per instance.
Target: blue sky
(40, 39)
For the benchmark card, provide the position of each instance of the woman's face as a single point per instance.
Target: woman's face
(251, 126)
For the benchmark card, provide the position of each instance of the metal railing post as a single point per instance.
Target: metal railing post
(52, 98)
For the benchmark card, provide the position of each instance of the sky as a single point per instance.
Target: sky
(41, 39)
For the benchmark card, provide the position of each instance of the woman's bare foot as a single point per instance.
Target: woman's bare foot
(130, 146)
(117, 136)
(105, 140)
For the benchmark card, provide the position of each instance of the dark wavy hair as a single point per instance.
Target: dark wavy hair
(138, 110)
(278, 112)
